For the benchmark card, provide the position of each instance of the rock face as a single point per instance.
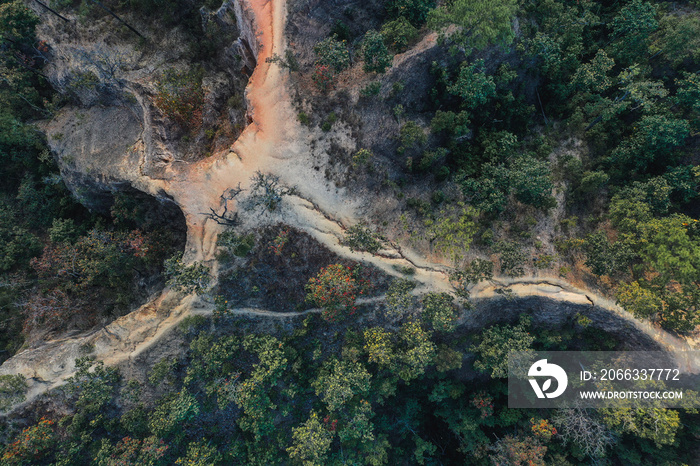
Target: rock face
(111, 135)
(248, 45)
(95, 151)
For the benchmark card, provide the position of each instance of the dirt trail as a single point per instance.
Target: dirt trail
(274, 143)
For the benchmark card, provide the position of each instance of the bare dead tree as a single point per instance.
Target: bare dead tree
(267, 192)
(577, 425)
(226, 218)
(108, 62)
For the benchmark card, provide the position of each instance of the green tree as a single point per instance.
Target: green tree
(439, 311)
(641, 302)
(451, 233)
(17, 22)
(415, 11)
(200, 454)
(455, 124)
(530, 180)
(398, 297)
(518, 451)
(311, 442)
(593, 76)
(632, 30)
(629, 210)
(526, 178)
(358, 430)
(332, 53)
(473, 85)
(605, 258)
(411, 137)
(657, 424)
(669, 249)
(254, 394)
(416, 352)
(340, 381)
(669, 263)
(561, 38)
(379, 346)
(688, 93)
(17, 244)
(654, 139)
(480, 22)
(375, 53)
(678, 37)
(398, 34)
(496, 342)
(92, 388)
(174, 411)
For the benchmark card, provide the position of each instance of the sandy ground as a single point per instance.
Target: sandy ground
(274, 143)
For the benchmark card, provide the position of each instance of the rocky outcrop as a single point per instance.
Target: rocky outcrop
(248, 45)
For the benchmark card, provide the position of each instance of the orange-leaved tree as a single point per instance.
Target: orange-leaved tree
(336, 289)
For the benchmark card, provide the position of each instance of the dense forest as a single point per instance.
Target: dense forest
(581, 111)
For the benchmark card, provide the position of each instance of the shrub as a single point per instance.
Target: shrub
(452, 231)
(180, 97)
(238, 245)
(374, 52)
(324, 78)
(360, 238)
(372, 89)
(512, 259)
(478, 270)
(12, 390)
(98, 258)
(411, 136)
(340, 30)
(329, 122)
(332, 53)
(277, 245)
(192, 278)
(361, 157)
(304, 119)
(398, 34)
